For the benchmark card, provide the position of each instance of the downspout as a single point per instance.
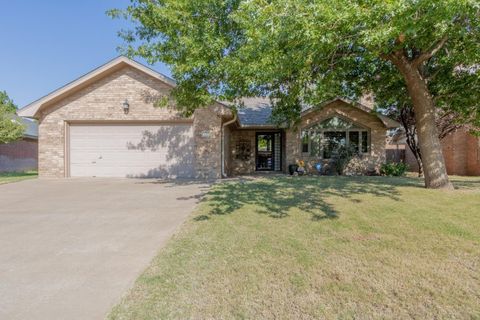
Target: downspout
(224, 175)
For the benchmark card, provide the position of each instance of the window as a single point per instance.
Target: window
(354, 139)
(365, 141)
(305, 142)
(333, 140)
(326, 138)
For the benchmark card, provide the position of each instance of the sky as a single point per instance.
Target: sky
(46, 44)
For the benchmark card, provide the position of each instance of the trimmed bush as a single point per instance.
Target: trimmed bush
(394, 169)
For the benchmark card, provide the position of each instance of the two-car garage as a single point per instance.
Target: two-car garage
(132, 150)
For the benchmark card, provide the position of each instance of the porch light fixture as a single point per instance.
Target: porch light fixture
(126, 106)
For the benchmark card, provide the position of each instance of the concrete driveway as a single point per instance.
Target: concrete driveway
(70, 249)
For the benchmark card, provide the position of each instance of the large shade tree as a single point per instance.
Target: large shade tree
(301, 52)
(10, 128)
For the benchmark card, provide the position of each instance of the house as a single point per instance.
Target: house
(21, 155)
(107, 124)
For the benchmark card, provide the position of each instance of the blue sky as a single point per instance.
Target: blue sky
(46, 44)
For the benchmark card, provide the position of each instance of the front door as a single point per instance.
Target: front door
(268, 151)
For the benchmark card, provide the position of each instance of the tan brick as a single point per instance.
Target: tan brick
(102, 101)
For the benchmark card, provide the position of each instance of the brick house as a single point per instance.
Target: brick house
(107, 124)
(21, 155)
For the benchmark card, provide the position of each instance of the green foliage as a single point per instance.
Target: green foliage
(304, 52)
(394, 169)
(343, 155)
(7, 103)
(10, 128)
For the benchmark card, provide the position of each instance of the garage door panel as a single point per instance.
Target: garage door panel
(132, 150)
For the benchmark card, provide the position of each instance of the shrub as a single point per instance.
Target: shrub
(395, 169)
(357, 166)
(342, 157)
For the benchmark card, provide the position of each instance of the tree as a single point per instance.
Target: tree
(7, 103)
(446, 122)
(303, 52)
(10, 128)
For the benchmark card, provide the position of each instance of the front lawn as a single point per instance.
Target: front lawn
(324, 247)
(8, 177)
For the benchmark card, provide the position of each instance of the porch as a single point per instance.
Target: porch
(251, 151)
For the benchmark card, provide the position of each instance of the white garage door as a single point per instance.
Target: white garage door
(132, 150)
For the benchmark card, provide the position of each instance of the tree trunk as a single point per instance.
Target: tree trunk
(431, 150)
(420, 168)
(407, 118)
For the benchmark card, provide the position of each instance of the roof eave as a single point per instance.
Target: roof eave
(388, 124)
(32, 110)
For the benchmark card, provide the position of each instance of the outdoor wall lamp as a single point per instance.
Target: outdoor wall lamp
(126, 106)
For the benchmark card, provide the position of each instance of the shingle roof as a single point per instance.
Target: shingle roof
(257, 112)
(31, 126)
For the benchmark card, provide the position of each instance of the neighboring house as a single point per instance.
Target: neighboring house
(461, 151)
(21, 155)
(106, 124)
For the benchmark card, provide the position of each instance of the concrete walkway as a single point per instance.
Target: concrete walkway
(70, 249)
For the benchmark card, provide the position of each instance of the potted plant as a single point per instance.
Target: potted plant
(301, 167)
(292, 169)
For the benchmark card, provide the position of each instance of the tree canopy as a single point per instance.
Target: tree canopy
(10, 128)
(303, 52)
(7, 103)
(308, 51)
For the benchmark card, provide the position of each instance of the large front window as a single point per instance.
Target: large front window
(326, 138)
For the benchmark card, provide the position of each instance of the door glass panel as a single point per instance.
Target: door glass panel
(265, 142)
(265, 152)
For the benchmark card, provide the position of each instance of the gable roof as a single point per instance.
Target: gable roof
(386, 121)
(118, 63)
(31, 128)
(256, 112)
(30, 125)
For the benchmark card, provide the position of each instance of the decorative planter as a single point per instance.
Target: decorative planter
(292, 169)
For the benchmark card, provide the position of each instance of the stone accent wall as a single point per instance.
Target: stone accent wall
(378, 132)
(102, 101)
(240, 166)
(19, 156)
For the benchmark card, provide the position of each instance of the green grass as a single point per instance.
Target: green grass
(9, 177)
(316, 248)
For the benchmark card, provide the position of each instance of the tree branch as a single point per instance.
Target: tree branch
(430, 53)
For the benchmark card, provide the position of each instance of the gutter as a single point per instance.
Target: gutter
(224, 175)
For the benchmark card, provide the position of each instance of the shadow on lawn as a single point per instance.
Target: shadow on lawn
(275, 196)
(466, 183)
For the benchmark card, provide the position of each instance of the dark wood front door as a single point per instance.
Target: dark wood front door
(268, 151)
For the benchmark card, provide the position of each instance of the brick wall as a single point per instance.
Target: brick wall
(102, 101)
(462, 153)
(19, 156)
(473, 156)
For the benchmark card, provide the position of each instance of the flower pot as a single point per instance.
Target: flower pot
(292, 169)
